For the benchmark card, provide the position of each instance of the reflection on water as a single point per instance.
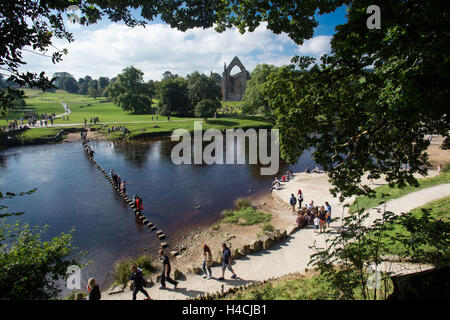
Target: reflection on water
(72, 193)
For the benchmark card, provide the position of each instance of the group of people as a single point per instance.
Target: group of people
(276, 184)
(315, 170)
(121, 129)
(95, 120)
(139, 282)
(311, 214)
(121, 184)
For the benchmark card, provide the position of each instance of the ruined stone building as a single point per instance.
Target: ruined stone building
(233, 86)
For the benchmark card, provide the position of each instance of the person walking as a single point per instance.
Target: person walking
(328, 212)
(207, 261)
(93, 289)
(139, 282)
(226, 261)
(165, 275)
(299, 198)
(293, 202)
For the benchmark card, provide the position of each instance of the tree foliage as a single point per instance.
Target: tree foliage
(130, 92)
(201, 87)
(358, 121)
(29, 266)
(174, 98)
(254, 100)
(206, 108)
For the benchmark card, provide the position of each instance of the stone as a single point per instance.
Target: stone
(236, 254)
(245, 249)
(153, 228)
(163, 244)
(194, 269)
(267, 242)
(271, 235)
(174, 253)
(291, 229)
(283, 234)
(277, 235)
(159, 232)
(78, 296)
(161, 236)
(115, 290)
(176, 274)
(257, 245)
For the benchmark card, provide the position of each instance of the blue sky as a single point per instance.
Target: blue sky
(106, 48)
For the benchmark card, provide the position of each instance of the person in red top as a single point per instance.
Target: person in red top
(139, 204)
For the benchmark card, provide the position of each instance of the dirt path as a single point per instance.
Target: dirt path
(289, 256)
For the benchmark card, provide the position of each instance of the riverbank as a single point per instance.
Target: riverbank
(291, 255)
(136, 130)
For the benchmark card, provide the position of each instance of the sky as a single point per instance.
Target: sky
(106, 48)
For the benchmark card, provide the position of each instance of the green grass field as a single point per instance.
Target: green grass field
(385, 193)
(81, 107)
(139, 125)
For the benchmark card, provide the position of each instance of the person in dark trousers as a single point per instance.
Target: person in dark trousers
(165, 275)
(139, 282)
(293, 202)
(226, 261)
(93, 289)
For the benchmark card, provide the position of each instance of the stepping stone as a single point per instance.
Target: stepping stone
(148, 223)
(163, 244)
(159, 232)
(153, 228)
(161, 236)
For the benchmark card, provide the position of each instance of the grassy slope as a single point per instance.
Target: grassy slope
(50, 102)
(395, 192)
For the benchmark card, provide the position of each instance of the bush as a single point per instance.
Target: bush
(241, 203)
(72, 295)
(267, 227)
(122, 268)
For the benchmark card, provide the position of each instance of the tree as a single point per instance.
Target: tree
(130, 92)
(168, 75)
(65, 81)
(254, 101)
(200, 87)
(29, 266)
(92, 92)
(206, 108)
(102, 83)
(358, 121)
(174, 98)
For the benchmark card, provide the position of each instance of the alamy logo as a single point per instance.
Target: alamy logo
(74, 277)
(235, 141)
(374, 21)
(374, 279)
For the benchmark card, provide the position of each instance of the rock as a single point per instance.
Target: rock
(230, 237)
(174, 253)
(161, 236)
(194, 269)
(236, 254)
(256, 246)
(277, 235)
(291, 229)
(78, 296)
(176, 274)
(149, 282)
(246, 249)
(283, 234)
(163, 244)
(271, 235)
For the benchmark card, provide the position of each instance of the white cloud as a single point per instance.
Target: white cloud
(316, 46)
(157, 48)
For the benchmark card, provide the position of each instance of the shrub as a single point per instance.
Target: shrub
(241, 203)
(267, 227)
(122, 268)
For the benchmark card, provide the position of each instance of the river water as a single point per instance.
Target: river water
(71, 193)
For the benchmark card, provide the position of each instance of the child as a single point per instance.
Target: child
(316, 223)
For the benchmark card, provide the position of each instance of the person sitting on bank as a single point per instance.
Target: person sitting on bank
(275, 184)
(307, 170)
(316, 169)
